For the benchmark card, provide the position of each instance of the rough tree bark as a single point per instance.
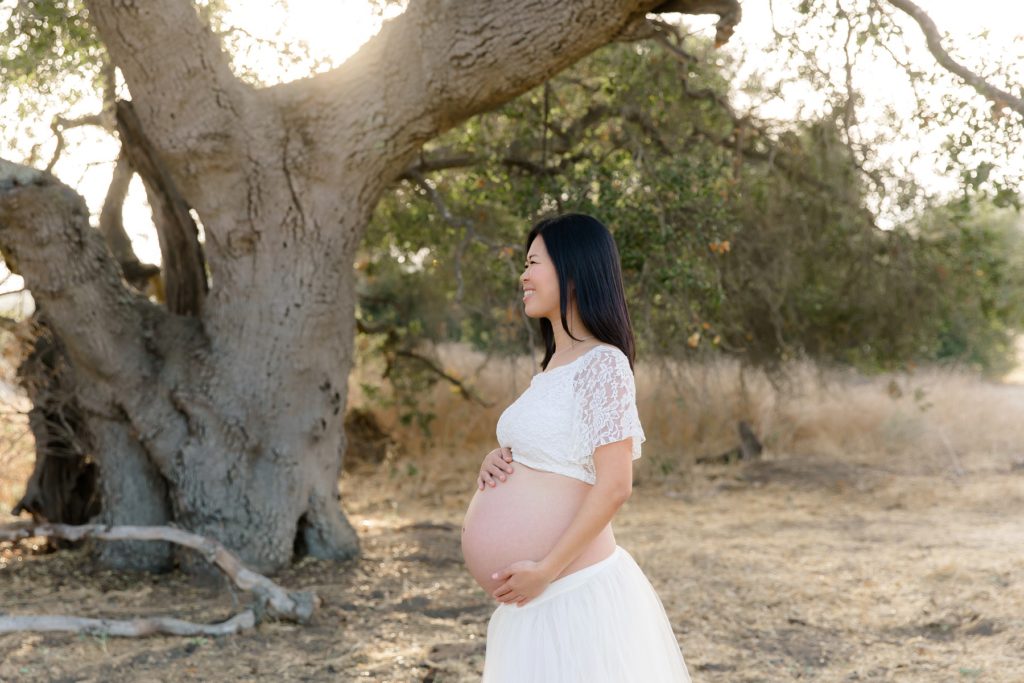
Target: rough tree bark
(227, 418)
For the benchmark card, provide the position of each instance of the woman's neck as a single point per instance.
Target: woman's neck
(564, 344)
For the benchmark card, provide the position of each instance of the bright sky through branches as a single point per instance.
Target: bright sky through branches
(331, 31)
(978, 36)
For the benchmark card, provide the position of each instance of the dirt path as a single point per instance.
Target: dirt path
(779, 571)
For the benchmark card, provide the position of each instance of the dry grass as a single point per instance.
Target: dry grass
(927, 421)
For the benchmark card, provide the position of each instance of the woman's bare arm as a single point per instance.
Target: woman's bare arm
(613, 463)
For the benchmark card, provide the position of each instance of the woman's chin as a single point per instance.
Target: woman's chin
(530, 311)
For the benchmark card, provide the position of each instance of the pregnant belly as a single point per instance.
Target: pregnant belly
(522, 518)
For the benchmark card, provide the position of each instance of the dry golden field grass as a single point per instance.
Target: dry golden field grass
(878, 539)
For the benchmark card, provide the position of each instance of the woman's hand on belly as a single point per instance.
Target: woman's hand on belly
(522, 520)
(495, 464)
(523, 581)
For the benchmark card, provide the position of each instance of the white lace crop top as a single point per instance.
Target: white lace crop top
(558, 422)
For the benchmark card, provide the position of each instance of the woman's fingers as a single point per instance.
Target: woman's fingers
(505, 457)
(496, 472)
(502, 467)
(498, 465)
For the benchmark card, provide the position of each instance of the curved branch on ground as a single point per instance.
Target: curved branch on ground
(131, 628)
(272, 599)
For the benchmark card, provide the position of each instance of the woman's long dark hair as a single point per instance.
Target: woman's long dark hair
(587, 260)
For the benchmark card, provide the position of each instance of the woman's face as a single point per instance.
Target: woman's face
(540, 283)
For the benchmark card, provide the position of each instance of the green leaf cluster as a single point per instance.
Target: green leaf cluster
(45, 41)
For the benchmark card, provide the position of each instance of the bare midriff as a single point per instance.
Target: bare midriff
(522, 518)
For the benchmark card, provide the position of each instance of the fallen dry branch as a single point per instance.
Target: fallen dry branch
(128, 627)
(271, 599)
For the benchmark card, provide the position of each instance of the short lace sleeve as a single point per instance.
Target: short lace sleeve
(606, 410)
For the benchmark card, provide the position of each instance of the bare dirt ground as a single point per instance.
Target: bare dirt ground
(781, 570)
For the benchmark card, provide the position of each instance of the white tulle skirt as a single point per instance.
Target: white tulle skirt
(602, 624)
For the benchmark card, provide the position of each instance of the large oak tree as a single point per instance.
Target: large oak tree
(221, 412)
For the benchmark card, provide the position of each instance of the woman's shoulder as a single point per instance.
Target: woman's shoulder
(600, 362)
(610, 351)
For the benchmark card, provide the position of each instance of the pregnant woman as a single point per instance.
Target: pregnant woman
(575, 606)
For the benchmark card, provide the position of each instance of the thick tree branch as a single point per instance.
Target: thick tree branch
(45, 237)
(111, 225)
(441, 62)
(184, 268)
(179, 77)
(111, 222)
(1000, 98)
(208, 129)
(112, 335)
(728, 11)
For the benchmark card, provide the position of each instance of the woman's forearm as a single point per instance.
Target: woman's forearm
(598, 508)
